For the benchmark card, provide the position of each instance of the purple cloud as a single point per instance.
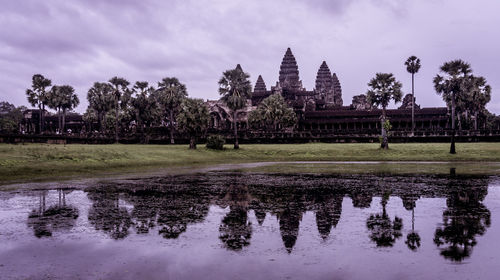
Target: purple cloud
(80, 42)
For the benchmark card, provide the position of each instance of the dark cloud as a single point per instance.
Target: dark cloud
(79, 42)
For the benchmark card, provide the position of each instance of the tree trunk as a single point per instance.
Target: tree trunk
(236, 144)
(452, 147)
(42, 125)
(475, 120)
(99, 121)
(40, 119)
(172, 141)
(192, 143)
(64, 121)
(58, 110)
(116, 119)
(385, 143)
(412, 105)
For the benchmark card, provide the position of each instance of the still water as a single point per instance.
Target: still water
(229, 225)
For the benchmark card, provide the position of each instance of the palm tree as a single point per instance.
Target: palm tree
(54, 101)
(101, 100)
(143, 105)
(412, 66)
(451, 87)
(235, 89)
(170, 95)
(383, 88)
(120, 87)
(69, 101)
(37, 95)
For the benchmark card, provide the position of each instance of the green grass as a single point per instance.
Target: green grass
(34, 162)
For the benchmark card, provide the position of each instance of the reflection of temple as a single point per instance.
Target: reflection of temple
(321, 110)
(167, 206)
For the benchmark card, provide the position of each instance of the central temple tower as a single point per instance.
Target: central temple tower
(289, 73)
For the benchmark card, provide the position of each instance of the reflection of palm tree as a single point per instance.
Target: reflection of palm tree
(235, 230)
(413, 238)
(107, 215)
(384, 232)
(55, 218)
(464, 218)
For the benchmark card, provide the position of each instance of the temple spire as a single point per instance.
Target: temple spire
(289, 72)
(337, 89)
(260, 85)
(238, 67)
(324, 78)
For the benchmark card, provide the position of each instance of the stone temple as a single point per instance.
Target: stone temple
(326, 94)
(321, 111)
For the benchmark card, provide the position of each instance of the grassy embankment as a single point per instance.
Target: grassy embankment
(34, 162)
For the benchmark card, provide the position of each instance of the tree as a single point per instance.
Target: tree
(143, 105)
(100, 99)
(54, 101)
(37, 95)
(273, 112)
(120, 92)
(69, 101)
(383, 88)
(412, 66)
(10, 117)
(193, 118)
(478, 95)
(170, 95)
(451, 87)
(235, 88)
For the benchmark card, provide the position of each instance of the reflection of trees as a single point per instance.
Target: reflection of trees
(413, 238)
(107, 215)
(178, 209)
(58, 217)
(235, 230)
(328, 211)
(384, 231)
(464, 219)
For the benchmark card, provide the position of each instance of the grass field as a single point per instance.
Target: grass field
(34, 162)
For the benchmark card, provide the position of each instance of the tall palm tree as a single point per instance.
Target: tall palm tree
(412, 66)
(383, 89)
(120, 87)
(451, 87)
(54, 101)
(100, 99)
(170, 95)
(37, 95)
(235, 88)
(69, 101)
(143, 105)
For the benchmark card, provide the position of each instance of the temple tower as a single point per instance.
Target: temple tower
(337, 91)
(289, 73)
(260, 86)
(324, 84)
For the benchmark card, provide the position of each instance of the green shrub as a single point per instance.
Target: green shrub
(215, 142)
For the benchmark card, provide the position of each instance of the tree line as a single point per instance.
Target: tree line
(465, 94)
(115, 104)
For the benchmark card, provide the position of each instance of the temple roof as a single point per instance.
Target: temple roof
(324, 77)
(260, 85)
(238, 66)
(289, 71)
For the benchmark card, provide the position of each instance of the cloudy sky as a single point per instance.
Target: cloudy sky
(80, 42)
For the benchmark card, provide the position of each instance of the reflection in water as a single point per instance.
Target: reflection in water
(464, 219)
(167, 206)
(107, 215)
(235, 229)
(60, 217)
(384, 231)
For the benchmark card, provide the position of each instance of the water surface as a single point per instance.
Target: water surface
(232, 225)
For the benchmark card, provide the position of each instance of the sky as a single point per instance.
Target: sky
(82, 42)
